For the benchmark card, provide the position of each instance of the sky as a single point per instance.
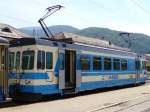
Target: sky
(122, 15)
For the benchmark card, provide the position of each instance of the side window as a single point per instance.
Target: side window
(116, 64)
(49, 60)
(107, 64)
(137, 63)
(17, 64)
(124, 64)
(84, 62)
(132, 65)
(97, 64)
(41, 60)
(11, 60)
(144, 65)
(28, 60)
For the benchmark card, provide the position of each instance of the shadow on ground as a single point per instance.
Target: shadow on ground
(48, 98)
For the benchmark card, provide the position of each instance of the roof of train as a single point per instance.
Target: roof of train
(88, 40)
(60, 44)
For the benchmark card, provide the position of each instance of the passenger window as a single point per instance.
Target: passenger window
(144, 65)
(17, 64)
(97, 64)
(116, 64)
(41, 60)
(11, 60)
(107, 64)
(49, 60)
(138, 64)
(85, 63)
(28, 60)
(124, 64)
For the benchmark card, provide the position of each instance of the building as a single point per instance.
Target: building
(9, 32)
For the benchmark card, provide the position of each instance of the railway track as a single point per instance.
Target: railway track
(125, 105)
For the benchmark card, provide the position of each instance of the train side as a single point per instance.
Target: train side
(44, 67)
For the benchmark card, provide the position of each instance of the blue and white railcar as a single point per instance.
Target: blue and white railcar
(42, 67)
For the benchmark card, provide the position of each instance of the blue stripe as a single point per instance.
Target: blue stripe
(109, 83)
(29, 76)
(142, 79)
(12, 75)
(43, 89)
(52, 89)
(56, 67)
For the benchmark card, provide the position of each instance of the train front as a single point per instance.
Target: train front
(21, 68)
(30, 70)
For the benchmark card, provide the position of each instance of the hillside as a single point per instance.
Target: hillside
(38, 32)
(140, 44)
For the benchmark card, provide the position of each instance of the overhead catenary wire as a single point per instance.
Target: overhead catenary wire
(140, 6)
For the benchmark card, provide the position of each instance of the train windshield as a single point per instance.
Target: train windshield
(28, 60)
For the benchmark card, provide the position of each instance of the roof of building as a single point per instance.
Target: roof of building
(8, 31)
(147, 56)
(3, 41)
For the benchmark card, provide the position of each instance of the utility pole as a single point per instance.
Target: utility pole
(127, 38)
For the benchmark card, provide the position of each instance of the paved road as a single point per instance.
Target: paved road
(147, 81)
(139, 104)
(125, 100)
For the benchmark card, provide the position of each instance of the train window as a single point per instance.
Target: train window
(17, 64)
(132, 65)
(28, 60)
(97, 64)
(144, 65)
(107, 64)
(49, 60)
(41, 60)
(138, 64)
(85, 62)
(11, 60)
(124, 64)
(116, 64)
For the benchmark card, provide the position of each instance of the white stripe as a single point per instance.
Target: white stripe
(83, 79)
(33, 82)
(105, 77)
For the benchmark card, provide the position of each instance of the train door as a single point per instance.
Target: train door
(3, 71)
(70, 69)
(67, 69)
(138, 66)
